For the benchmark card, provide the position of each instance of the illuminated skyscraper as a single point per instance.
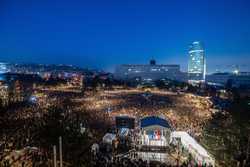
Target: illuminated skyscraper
(196, 63)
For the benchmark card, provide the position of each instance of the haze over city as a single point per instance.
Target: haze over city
(102, 34)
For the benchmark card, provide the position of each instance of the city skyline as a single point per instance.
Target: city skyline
(103, 35)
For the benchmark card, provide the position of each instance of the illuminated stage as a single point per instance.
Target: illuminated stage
(154, 134)
(154, 138)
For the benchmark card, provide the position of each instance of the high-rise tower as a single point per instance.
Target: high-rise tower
(196, 63)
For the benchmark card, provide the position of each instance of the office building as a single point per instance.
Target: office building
(196, 63)
(149, 72)
(238, 80)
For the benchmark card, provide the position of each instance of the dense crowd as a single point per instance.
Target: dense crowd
(38, 127)
(108, 161)
(30, 125)
(184, 112)
(18, 131)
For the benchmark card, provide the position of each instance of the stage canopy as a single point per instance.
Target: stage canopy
(154, 120)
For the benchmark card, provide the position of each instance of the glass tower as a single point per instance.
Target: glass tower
(196, 62)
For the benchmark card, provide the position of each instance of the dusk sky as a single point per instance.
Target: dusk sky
(101, 34)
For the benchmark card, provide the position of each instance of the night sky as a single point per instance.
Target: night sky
(101, 34)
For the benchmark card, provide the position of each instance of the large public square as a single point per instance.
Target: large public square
(83, 119)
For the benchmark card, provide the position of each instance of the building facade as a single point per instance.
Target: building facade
(196, 63)
(148, 72)
(241, 79)
(15, 88)
(218, 79)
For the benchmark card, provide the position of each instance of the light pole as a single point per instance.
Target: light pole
(60, 151)
(54, 153)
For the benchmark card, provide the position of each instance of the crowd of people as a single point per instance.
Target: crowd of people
(24, 125)
(184, 112)
(112, 161)
(32, 125)
(18, 131)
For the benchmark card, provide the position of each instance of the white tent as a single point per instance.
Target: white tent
(108, 138)
(194, 148)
